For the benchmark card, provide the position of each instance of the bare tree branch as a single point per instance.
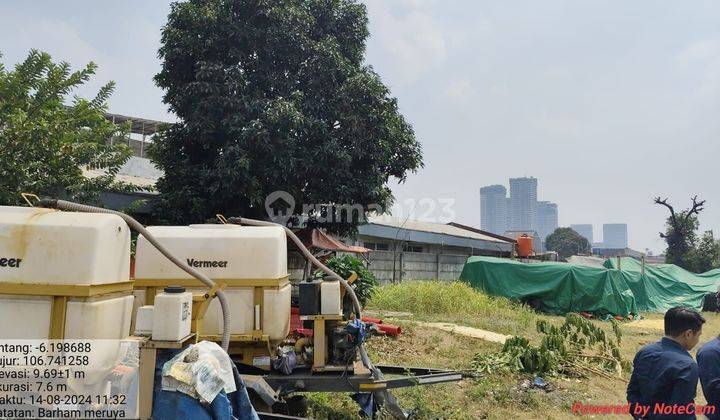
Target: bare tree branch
(672, 210)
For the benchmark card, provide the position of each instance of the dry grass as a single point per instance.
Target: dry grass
(456, 302)
(493, 396)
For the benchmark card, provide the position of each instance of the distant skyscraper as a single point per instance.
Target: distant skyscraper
(615, 235)
(523, 204)
(585, 231)
(493, 209)
(508, 213)
(547, 218)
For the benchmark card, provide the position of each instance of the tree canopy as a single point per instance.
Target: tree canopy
(684, 249)
(275, 96)
(567, 242)
(45, 144)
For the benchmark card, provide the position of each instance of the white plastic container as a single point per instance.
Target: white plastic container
(242, 318)
(144, 320)
(53, 247)
(276, 312)
(275, 315)
(330, 302)
(29, 317)
(218, 251)
(99, 318)
(26, 317)
(172, 314)
(50, 247)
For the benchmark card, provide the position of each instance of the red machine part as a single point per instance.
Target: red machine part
(371, 319)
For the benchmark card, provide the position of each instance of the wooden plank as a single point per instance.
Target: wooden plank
(147, 379)
(318, 317)
(150, 293)
(279, 282)
(156, 344)
(58, 312)
(319, 344)
(76, 290)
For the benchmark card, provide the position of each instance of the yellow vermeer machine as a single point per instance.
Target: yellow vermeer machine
(67, 273)
(248, 263)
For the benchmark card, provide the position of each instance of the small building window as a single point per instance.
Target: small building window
(377, 246)
(411, 248)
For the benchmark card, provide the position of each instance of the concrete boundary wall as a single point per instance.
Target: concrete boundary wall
(404, 266)
(387, 266)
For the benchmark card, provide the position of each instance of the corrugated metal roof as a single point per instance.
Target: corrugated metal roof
(143, 183)
(421, 226)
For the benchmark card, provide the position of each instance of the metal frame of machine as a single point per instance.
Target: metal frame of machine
(60, 293)
(320, 377)
(246, 346)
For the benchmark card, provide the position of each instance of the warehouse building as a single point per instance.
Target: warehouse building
(411, 249)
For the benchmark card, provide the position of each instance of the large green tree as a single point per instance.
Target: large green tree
(274, 95)
(684, 248)
(680, 233)
(45, 143)
(567, 242)
(706, 255)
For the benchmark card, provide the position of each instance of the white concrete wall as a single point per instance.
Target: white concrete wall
(408, 266)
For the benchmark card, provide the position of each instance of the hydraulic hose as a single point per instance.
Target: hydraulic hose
(384, 396)
(306, 252)
(137, 226)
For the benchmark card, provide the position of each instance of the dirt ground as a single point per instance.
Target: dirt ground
(495, 396)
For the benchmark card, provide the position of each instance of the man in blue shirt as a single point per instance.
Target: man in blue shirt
(664, 378)
(708, 358)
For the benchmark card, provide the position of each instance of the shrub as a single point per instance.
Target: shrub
(345, 265)
(453, 301)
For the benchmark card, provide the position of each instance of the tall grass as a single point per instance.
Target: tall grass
(453, 302)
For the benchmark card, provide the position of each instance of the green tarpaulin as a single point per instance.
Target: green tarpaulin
(563, 287)
(662, 286)
(558, 287)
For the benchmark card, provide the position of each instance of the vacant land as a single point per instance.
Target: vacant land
(492, 396)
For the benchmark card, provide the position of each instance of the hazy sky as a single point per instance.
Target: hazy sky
(607, 103)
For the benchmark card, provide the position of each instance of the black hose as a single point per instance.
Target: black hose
(137, 226)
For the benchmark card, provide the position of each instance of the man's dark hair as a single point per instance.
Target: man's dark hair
(679, 319)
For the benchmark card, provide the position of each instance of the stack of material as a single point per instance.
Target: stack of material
(658, 288)
(557, 288)
(560, 288)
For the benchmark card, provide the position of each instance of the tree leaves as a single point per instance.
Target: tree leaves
(45, 144)
(273, 95)
(576, 348)
(567, 242)
(683, 247)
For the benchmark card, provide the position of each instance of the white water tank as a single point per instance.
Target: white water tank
(247, 257)
(43, 251)
(219, 251)
(55, 247)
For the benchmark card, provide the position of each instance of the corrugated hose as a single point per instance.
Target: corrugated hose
(137, 226)
(385, 396)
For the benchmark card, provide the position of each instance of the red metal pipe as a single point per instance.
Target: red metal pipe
(371, 319)
(389, 329)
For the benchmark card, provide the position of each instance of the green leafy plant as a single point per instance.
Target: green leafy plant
(276, 96)
(49, 138)
(576, 348)
(345, 265)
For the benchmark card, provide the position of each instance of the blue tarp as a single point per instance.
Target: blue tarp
(170, 405)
